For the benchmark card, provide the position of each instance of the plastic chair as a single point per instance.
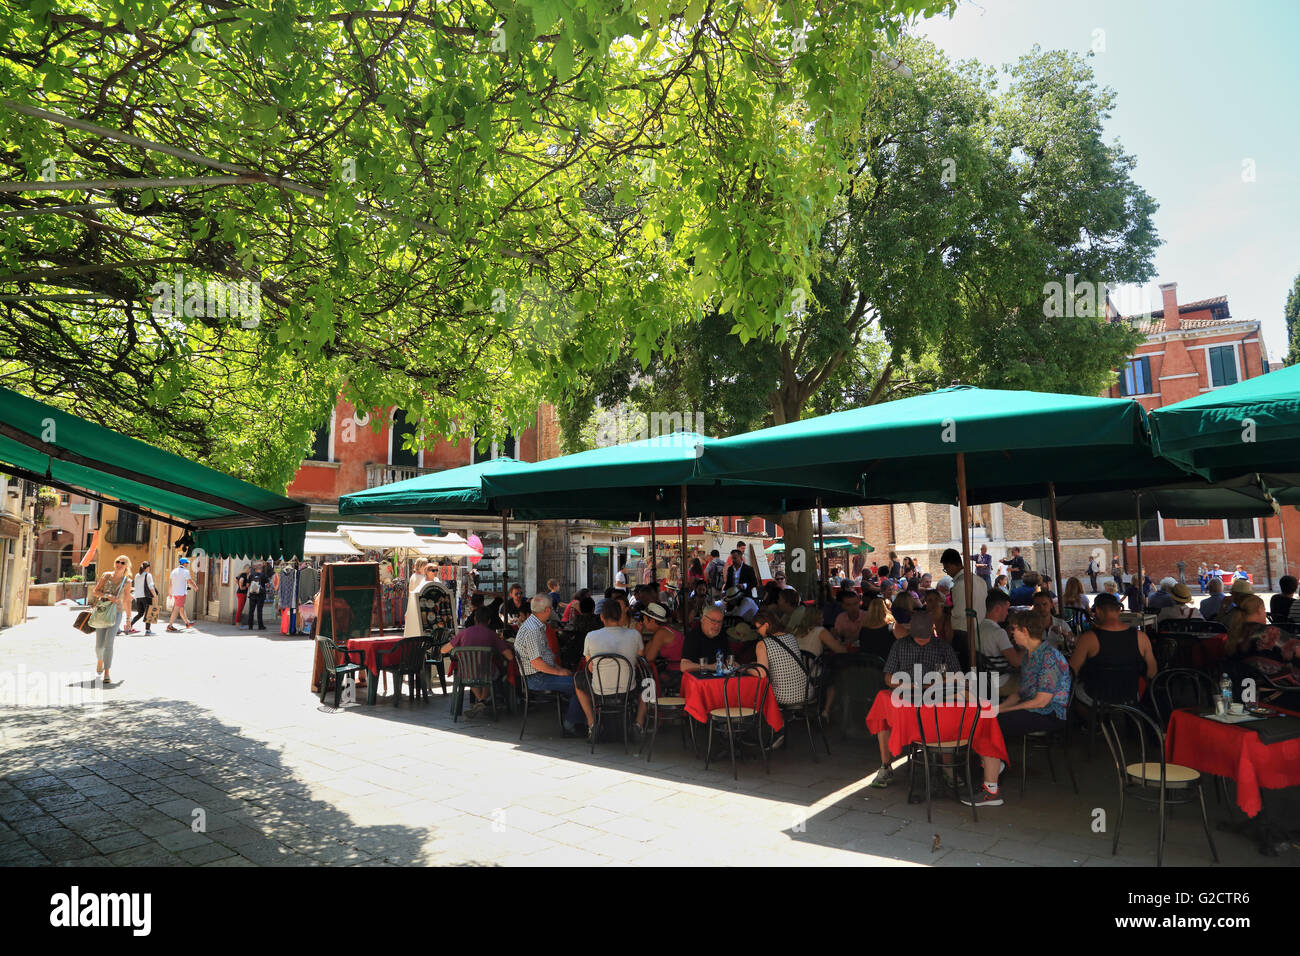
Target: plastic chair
(406, 660)
(734, 718)
(475, 667)
(612, 681)
(330, 652)
(1151, 777)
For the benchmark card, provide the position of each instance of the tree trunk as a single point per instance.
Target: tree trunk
(800, 553)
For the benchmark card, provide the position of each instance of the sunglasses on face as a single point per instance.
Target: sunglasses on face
(119, 562)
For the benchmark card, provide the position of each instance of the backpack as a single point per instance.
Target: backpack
(254, 586)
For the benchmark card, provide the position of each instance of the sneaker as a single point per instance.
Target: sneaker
(148, 633)
(173, 628)
(884, 777)
(983, 798)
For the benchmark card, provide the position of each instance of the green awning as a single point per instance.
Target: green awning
(1014, 443)
(455, 491)
(228, 516)
(1250, 427)
(831, 544)
(1239, 498)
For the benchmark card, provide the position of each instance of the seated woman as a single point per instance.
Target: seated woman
(1002, 583)
(1044, 694)
(665, 645)
(877, 635)
(1074, 596)
(778, 651)
(1265, 647)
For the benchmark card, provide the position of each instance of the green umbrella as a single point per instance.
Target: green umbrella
(1250, 427)
(1013, 443)
(454, 491)
(1239, 498)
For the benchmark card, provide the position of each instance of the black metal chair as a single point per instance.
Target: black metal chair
(406, 660)
(1151, 777)
(330, 652)
(946, 749)
(669, 708)
(1177, 688)
(734, 717)
(530, 697)
(612, 678)
(1167, 651)
(1045, 740)
(809, 708)
(475, 667)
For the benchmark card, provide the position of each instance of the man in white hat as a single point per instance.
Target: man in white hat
(1228, 610)
(739, 604)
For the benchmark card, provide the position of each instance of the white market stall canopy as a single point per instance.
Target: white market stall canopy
(450, 545)
(319, 543)
(382, 538)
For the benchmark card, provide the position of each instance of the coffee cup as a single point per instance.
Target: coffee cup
(1236, 708)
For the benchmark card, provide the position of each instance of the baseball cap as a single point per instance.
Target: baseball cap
(185, 560)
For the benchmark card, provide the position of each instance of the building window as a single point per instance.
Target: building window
(501, 449)
(1135, 378)
(1222, 363)
(401, 430)
(320, 444)
(1240, 528)
(1193, 522)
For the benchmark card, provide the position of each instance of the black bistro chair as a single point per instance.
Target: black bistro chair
(613, 686)
(809, 707)
(1150, 777)
(1045, 740)
(945, 751)
(660, 710)
(475, 667)
(1177, 688)
(740, 712)
(532, 698)
(330, 653)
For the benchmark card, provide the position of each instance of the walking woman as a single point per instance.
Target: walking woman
(145, 593)
(113, 586)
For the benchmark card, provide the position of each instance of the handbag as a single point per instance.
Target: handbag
(151, 614)
(82, 623)
(105, 612)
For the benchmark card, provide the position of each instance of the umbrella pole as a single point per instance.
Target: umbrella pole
(824, 581)
(505, 556)
(654, 554)
(1137, 538)
(1281, 523)
(1268, 562)
(682, 593)
(1056, 542)
(966, 583)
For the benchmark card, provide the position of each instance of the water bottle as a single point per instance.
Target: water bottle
(1225, 690)
(720, 669)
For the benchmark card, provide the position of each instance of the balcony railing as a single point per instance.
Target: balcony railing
(122, 532)
(377, 475)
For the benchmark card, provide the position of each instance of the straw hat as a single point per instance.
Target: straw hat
(1182, 594)
(656, 612)
(1241, 586)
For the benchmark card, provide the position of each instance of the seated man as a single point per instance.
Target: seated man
(850, 621)
(1110, 656)
(1022, 595)
(1210, 606)
(1164, 597)
(704, 641)
(541, 670)
(480, 634)
(1055, 630)
(1002, 656)
(614, 638)
(739, 604)
(920, 652)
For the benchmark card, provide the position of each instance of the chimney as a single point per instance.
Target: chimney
(1169, 292)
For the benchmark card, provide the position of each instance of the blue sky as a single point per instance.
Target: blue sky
(1202, 87)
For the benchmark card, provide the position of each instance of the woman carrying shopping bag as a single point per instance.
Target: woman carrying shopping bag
(112, 596)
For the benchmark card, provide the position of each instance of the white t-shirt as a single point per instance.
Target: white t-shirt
(143, 588)
(620, 581)
(615, 640)
(993, 641)
(180, 581)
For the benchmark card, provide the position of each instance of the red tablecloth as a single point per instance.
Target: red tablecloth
(705, 695)
(374, 649)
(900, 720)
(1233, 751)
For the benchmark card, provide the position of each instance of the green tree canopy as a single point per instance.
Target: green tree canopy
(458, 208)
(1291, 313)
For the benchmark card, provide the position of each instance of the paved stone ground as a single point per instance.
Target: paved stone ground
(218, 727)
